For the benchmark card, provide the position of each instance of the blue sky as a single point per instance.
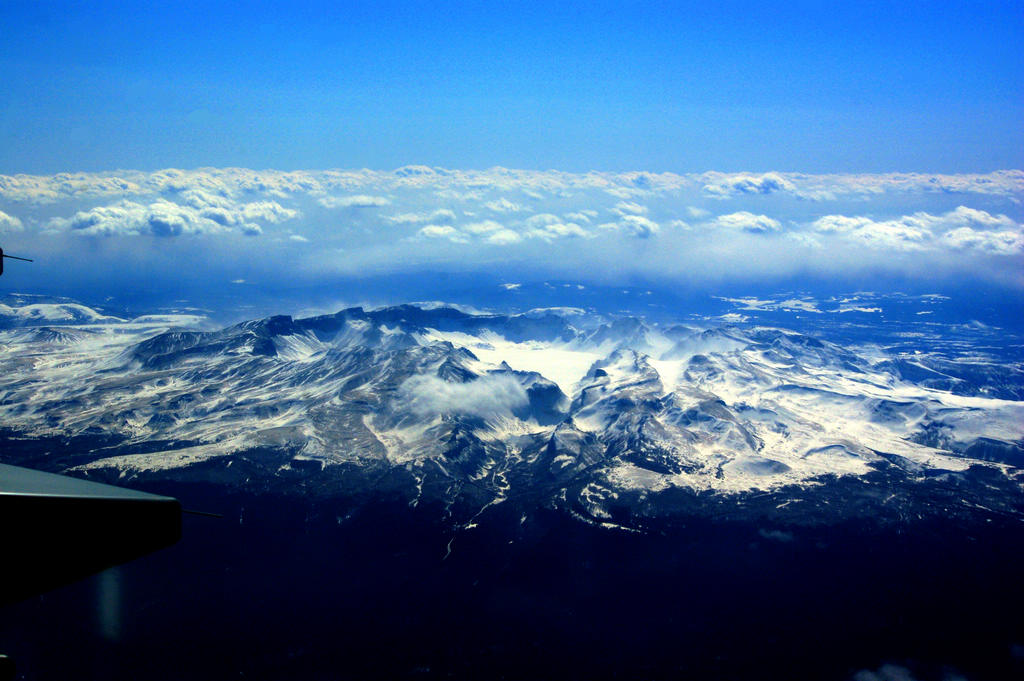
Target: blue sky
(675, 86)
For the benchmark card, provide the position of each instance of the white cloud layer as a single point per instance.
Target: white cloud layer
(442, 232)
(557, 230)
(438, 216)
(484, 227)
(504, 237)
(748, 222)
(710, 226)
(503, 205)
(639, 226)
(723, 185)
(365, 188)
(486, 397)
(357, 201)
(200, 213)
(961, 229)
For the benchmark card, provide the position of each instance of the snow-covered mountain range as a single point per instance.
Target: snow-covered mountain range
(609, 417)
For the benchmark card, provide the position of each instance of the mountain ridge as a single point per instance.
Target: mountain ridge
(458, 405)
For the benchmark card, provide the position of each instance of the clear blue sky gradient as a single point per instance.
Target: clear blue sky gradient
(798, 86)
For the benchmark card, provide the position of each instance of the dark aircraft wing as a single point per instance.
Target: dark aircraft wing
(57, 529)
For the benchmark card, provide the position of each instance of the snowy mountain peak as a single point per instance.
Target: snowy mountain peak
(507, 404)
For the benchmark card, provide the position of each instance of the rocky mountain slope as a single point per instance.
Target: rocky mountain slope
(614, 419)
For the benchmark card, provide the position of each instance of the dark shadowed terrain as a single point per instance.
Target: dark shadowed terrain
(283, 589)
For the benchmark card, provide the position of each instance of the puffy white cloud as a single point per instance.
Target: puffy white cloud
(558, 230)
(629, 208)
(458, 195)
(9, 223)
(977, 219)
(550, 227)
(442, 232)
(720, 185)
(828, 187)
(840, 224)
(503, 205)
(438, 216)
(583, 216)
(160, 218)
(415, 171)
(201, 213)
(900, 235)
(268, 211)
(542, 219)
(49, 188)
(638, 226)
(486, 397)
(504, 237)
(961, 229)
(483, 227)
(357, 201)
(625, 192)
(1002, 182)
(999, 243)
(748, 222)
(229, 212)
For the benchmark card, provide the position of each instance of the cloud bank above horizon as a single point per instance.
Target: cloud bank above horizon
(308, 227)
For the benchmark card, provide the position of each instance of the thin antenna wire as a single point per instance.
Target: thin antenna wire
(204, 513)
